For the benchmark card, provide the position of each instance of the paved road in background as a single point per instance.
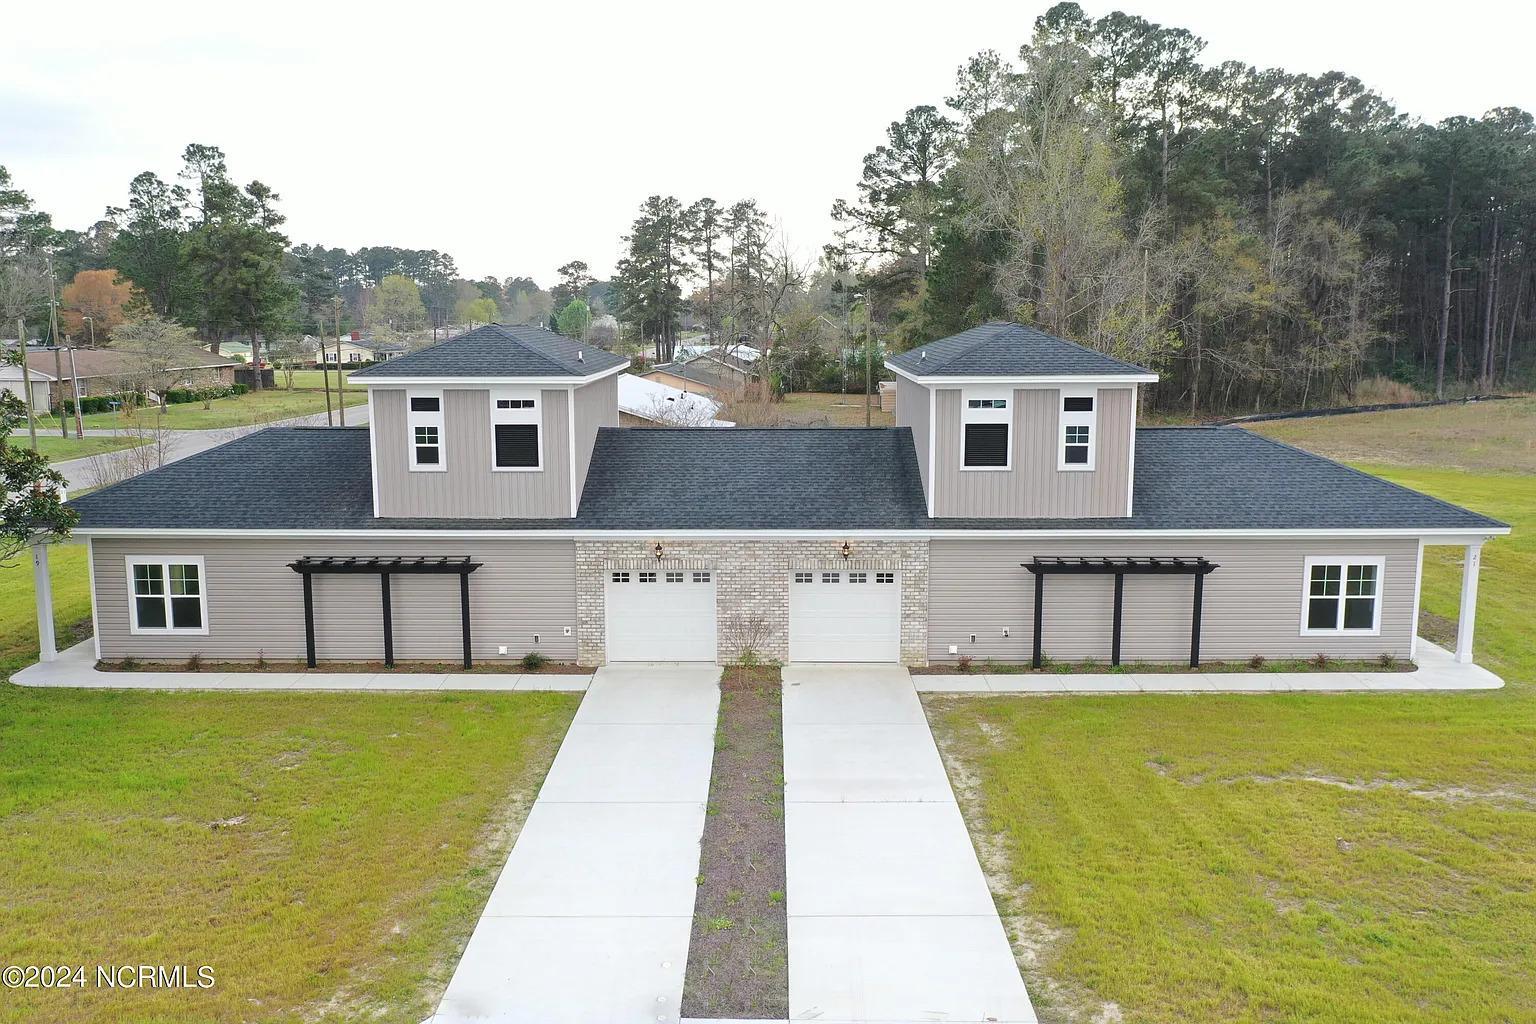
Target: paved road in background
(89, 471)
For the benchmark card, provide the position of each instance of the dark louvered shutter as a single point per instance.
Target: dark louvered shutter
(986, 444)
(517, 445)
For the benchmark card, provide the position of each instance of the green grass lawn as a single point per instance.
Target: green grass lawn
(309, 380)
(62, 449)
(236, 411)
(826, 409)
(326, 854)
(1286, 857)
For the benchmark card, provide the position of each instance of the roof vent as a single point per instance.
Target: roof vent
(579, 359)
(922, 355)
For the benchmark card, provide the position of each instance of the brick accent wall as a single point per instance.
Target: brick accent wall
(751, 582)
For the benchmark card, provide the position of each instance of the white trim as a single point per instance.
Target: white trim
(1466, 616)
(1040, 381)
(933, 443)
(373, 458)
(570, 438)
(90, 575)
(1130, 472)
(1418, 591)
(1065, 419)
(988, 417)
(485, 382)
(1429, 537)
(532, 416)
(1344, 562)
(437, 420)
(165, 561)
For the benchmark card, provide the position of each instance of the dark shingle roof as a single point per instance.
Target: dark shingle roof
(701, 371)
(1201, 478)
(497, 350)
(1000, 349)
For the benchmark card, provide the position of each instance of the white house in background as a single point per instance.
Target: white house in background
(354, 348)
(644, 403)
(746, 354)
(10, 380)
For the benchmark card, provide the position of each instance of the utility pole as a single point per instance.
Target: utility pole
(26, 379)
(869, 355)
(74, 386)
(325, 370)
(58, 377)
(341, 392)
(91, 321)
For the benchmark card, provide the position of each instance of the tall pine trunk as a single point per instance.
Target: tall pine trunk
(1445, 301)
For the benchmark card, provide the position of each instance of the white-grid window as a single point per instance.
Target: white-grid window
(516, 431)
(858, 577)
(986, 424)
(1079, 427)
(805, 577)
(167, 595)
(885, 577)
(620, 577)
(701, 577)
(647, 577)
(674, 577)
(1342, 595)
(424, 423)
(831, 577)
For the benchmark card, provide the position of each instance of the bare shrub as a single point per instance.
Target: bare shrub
(747, 636)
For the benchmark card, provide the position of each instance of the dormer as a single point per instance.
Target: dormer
(496, 423)
(1012, 423)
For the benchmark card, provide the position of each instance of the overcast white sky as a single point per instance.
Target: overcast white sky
(518, 138)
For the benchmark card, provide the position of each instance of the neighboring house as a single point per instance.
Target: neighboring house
(106, 371)
(887, 395)
(42, 384)
(650, 403)
(700, 375)
(357, 349)
(1016, 511)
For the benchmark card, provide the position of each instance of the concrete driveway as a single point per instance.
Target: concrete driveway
(890, 917)
(590, 918)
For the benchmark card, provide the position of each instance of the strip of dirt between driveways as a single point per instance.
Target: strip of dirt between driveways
(738, 957)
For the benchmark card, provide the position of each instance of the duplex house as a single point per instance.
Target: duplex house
(494, 506)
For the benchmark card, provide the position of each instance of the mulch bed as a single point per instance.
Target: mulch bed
(510, 668)
(738, 959)
(991, 668)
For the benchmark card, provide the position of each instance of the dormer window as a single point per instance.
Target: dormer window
(987, 428)
(516, 425)
(1078, 429)
(424, 424)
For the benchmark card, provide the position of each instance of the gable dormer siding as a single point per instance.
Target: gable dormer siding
(1034, 485)
(468, 486)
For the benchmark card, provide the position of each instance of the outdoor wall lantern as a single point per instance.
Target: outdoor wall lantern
(847, 549)
(657, 551)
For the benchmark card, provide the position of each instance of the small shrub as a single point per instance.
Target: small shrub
(1256, 662)
(195, 663)
(130, 664)
(1319, 660)
(1387, 660)
(533, 661)
(238, 389)
(261, 660)
(963, 663)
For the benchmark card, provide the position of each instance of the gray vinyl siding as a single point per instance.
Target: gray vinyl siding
(912, 411)
(255, 603)
(597, 405)
(1252, 602)
(1034, 486)
(470, 488)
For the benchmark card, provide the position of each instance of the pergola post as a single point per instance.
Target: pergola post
(464, 613)
(42, 585)
(1194, 626)
(1039, 615)
(1114, 639)
(309, 620)
(1468, 617)
(389, 623)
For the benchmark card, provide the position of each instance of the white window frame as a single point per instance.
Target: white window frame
(1004, 416)
(414, 419)
(1067, 419)
(533, 415)
(165, 562)
(1343, 562)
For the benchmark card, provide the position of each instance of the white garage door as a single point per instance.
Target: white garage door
(845, 616)
(661, 616)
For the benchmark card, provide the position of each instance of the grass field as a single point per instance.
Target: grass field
(1364, 858)
(62, 449)
(824, 409)
(309, 380)
(326, 854)
(236, 411)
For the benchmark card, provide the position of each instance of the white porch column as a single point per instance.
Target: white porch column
(42, 586)
(1470, 565)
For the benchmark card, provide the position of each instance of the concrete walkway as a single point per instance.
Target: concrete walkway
(590, 919)
(890, 917)
(76, 667)
(87, 472)
(1438, 670)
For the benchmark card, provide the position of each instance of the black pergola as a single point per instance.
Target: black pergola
(1120, 568)
(383, 566)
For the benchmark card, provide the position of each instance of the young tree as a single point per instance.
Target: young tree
(575, 319)
(101, 297)
(397, 305)
(31, 493)
(478, 311)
